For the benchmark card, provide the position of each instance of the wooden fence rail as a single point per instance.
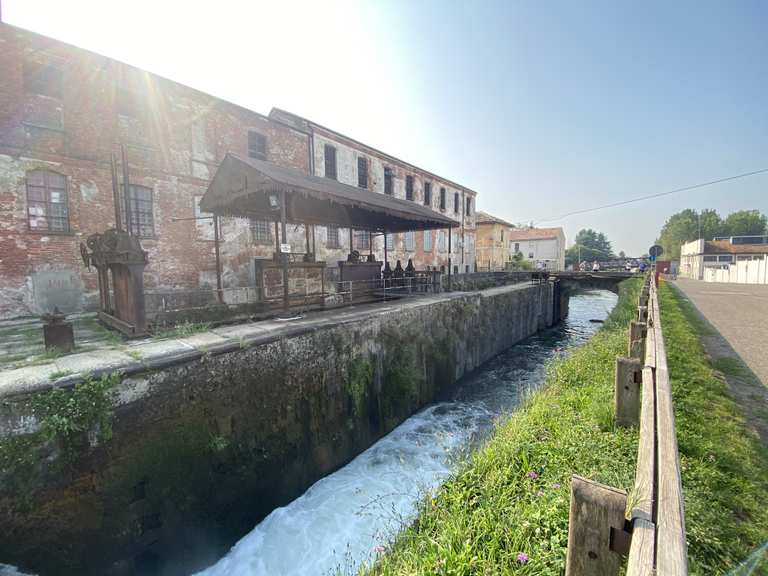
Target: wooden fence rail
(650, 530)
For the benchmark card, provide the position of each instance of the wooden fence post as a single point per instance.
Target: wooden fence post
(627, 392)
(595, 519)
(637, 333)
(642, 313)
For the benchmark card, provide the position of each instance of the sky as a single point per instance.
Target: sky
(543, 108)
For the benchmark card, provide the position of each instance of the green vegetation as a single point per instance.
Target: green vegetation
(512, 498)
(360, 377)
(589, 245)
(688, 225)
(53, 376)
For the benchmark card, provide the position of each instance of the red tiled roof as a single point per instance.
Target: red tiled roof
(485, 218)
(725, 247)
(535, 233)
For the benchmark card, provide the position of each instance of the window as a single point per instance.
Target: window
(468, 206)
(47, 205)
(710, 258)
(442, 198)
(362, 172)
(45, 79)
(427, 193)
(502, 235)
(409, 187)
(517, 247)
(455, 202)
(410, 241)
(530, 255)
(330, 162)
(727, 258)
(390, 242)
(142, 220)
(333, 237)
(388, 184)
(441, 241)
(257, 145)
(427, 240)
(362, 240)
(261, 231)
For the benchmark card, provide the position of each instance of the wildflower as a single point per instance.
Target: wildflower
(556, 485)
(522, 558)
(379, 549)
(532, 474)
(540, 493)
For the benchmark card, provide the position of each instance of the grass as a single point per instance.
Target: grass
(512, 496)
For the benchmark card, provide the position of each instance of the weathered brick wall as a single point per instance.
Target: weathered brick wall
(174, 141)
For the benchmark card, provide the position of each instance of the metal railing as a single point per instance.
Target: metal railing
(653, 534)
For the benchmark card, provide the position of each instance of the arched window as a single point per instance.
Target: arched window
(47, 202)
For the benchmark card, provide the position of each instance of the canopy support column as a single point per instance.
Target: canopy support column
(217, 251)
(284, 257)
(450, 265)
(385, 249)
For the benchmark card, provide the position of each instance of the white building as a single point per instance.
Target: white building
(543, 247)
(740, 259)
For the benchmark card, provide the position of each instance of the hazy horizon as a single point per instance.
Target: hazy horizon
(543, 109)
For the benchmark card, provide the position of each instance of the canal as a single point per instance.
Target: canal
(346, 518)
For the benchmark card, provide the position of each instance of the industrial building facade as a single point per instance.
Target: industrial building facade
(65, 111)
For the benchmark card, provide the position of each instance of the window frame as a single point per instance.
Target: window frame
(48, 189)
(427, 241)
(456, 202)
(257, 237)
(332, 163)
(443, 199)
(409, 241)
(335, 243)
(362, 162)
(467, 205)
(34, 80)
(428, 193)
(262, 139)
(409, 187)
(361, 240)
(136, 228)
(389, 181)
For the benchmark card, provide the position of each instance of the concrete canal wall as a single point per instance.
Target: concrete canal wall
(198, 450)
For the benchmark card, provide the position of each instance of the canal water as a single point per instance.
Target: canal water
(347, 518)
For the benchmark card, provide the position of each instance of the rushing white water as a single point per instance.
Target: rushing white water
(347, 517)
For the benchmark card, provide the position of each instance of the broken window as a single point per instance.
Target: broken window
(409, 187)
(140, 211)
(442, 198)
(45, 79)
(261, 231)
(388, 187)
(333, 237)
(362, 172)
(427, 193)
(330, 162)
(257, 145)
(47, 203)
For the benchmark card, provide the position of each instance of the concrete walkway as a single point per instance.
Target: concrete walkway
(154, 353)
(740, 313)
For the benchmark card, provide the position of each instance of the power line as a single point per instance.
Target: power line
(657, 195)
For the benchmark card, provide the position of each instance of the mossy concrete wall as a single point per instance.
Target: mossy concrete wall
(201, 450)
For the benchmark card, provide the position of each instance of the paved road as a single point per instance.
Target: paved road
(740, 313)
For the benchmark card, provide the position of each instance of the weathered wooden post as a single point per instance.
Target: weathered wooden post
(637, 333)
(595, 526)
(627, 393)
(642, 313)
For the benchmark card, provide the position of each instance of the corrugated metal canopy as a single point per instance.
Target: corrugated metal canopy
(241, 187)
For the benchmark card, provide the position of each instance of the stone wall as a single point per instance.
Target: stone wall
(201, 450)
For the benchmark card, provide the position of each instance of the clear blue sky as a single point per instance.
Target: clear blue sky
(542, 107)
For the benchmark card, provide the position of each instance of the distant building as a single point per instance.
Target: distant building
(492, 248)
(739, 259)
(542, 247)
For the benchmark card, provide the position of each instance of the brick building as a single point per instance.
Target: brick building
(64, 111)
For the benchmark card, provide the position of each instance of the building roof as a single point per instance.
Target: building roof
(535, 233)
(241, 187)
(300, 123)
(725, 247)
(485, 218)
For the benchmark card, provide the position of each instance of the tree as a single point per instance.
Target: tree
(622, 255)
(690, 225)
(591, 244)
(746, 223)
